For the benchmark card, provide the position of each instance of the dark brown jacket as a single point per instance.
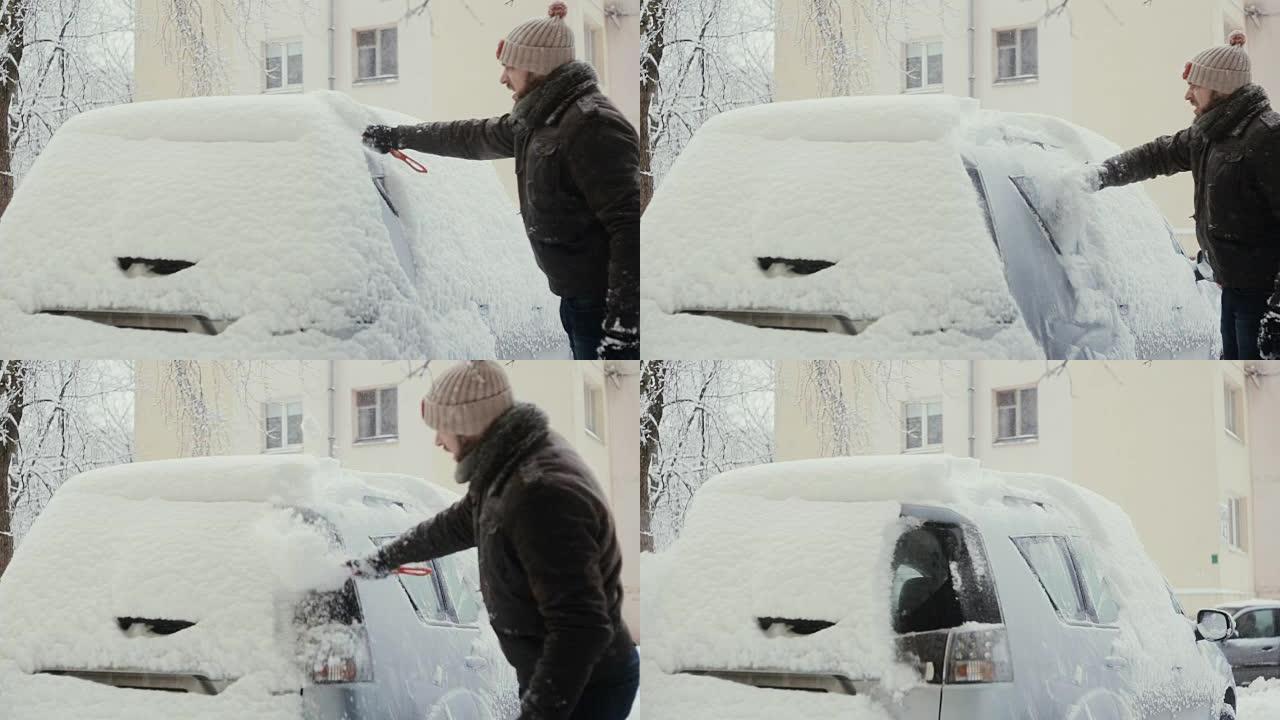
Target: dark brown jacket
(550, 563)
(1233, 153)
(578, 169)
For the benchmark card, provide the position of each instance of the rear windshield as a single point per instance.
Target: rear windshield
(940, 580)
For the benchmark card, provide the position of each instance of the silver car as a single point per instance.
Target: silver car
(1254, 649)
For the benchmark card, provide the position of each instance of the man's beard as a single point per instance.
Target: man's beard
(535, 82)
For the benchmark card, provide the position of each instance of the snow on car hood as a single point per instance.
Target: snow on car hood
(272, 200)
(742, 558)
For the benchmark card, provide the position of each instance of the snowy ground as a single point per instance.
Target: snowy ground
(1260, 699)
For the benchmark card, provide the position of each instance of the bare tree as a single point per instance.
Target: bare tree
(12, 405)
(653, 379)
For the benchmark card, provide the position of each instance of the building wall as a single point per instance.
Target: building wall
(558, 387)
(1263, 390)
(447, 68)
(1088, 58)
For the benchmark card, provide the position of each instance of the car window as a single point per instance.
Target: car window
(1030, 193)
(1258, 624)
(465, 598)
(1098, 589)
(1047, 558)
(423, 590)
(937, 583)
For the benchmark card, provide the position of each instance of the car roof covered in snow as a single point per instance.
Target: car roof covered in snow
(273, 201)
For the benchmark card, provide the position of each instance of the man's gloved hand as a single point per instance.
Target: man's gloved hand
(368, 568)
(1091, 178)
(382, 138)
(1269, 333)
(620, 343)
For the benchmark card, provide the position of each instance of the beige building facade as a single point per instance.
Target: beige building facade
(436, 65)
(1112, 67)
(1178, 445)
(366, 415)
(1263, 390)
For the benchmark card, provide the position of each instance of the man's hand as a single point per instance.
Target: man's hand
(1091, 178)
(369, 568)
(382, 138)
(1269, 333)
(620, 342)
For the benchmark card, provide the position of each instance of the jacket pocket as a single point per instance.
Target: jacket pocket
(542, 172)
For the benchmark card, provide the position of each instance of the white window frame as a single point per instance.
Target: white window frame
(356, 439)
(1235, 523)
(1020, 437)
(925, 85)
(1017, 55)
(1233, 412)
(285, 85)
(378, 76)
(593, 410)
(285, 446)
(592, 46)
(925, 445)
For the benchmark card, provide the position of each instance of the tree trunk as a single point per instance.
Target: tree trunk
(653, 389)
(13, 19)
(653, 25)
(12, 381)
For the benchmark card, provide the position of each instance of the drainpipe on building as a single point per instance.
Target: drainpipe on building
(333, 66)
(973, 409)
(973, 48)
(333, 408)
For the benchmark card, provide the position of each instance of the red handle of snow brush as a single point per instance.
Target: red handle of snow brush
(419, 571)
(414, 164)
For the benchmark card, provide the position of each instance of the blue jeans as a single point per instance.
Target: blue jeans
(1242, 312)
(611, 696)
(583, 320)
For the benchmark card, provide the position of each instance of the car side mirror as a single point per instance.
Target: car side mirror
(1215, 625)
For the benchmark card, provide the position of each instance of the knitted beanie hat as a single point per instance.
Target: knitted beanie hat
(539, 45)
(1224, 68)
(467, 398)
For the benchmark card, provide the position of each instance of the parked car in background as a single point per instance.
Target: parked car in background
(214, 587)
(1254, 651)
(910, 226)
(1003, 596)
(254, 226)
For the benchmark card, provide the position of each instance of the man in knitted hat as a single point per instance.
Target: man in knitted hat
(578, 172)
(1233, 152)
(550, 563)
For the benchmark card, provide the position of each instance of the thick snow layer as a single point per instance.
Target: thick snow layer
(798, 560)
(869, 478)
(272, 198)
(689, 697)
(1259, 700)
(879, 187)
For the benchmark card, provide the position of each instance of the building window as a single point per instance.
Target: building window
(282, 429)
(284, 65)
(1016, 414)
(924, 66)
(922, 425)
(591, 45)
(593, 410)
(376, 417)
(1017, 54)
(377, 54)
(1235, 523)
(1233, 410)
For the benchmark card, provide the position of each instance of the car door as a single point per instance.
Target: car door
(1255, 651)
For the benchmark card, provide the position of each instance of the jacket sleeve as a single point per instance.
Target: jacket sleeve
(555, 533)
(1168, 155)
(489, 139)
(449, 531)
(604, 162)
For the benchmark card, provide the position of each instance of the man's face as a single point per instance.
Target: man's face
(455, 444)
(516, 80)
(1202, 99)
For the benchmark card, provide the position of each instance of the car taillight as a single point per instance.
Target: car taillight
(343, 658)
(978, 655)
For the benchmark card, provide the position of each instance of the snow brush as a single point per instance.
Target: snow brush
(413, 164)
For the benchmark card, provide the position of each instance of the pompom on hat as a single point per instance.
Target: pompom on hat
(467, 398)
(539, 45)
(1224, 69)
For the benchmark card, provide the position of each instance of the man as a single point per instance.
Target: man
(578, 170)
(1233, 152)
(550, 564)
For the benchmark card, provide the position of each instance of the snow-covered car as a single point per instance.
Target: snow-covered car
(909, 226)
(913, 588)
(215, 588)
(1254, 650)
(260, 226)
